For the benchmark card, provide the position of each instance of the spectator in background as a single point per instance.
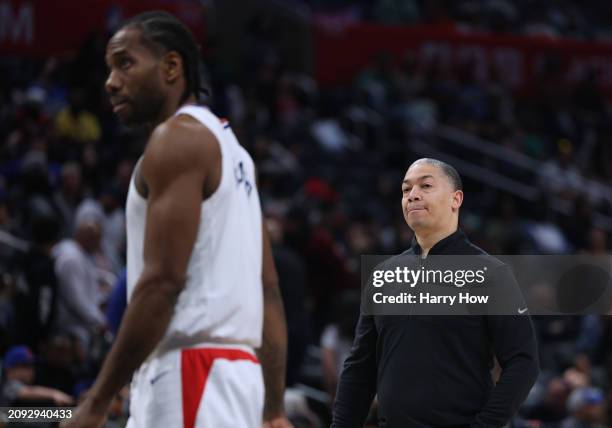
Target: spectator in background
(35, 299)
(587, 409)
(107, 208)
(48, 87)
(94, 173)
(298, 411)
(551, 408)
(578, 224)
(123, 177)
(560, 177)
(9, 244)
(29, 122)
(291, 279)
(69, 194)
(17, 387)
(597, 244)
(37, 190)
(75, 123)
(58, 365)
(5, 216)
(337, 339)
(557, 336)
(79, 296)
(504, 229)
(542, 234)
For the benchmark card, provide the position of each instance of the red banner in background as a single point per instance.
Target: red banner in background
(341, 54)
(57, 27)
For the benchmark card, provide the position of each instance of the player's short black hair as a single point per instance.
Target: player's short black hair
(163, 32)
(448, 170)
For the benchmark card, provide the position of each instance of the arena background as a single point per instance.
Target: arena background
(333, 99)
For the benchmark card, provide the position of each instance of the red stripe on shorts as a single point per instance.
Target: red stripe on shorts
(195, 366)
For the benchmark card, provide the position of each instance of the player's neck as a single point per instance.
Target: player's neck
(170, 108)
(427, 239)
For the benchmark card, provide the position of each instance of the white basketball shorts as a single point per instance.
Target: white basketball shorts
(204, 387)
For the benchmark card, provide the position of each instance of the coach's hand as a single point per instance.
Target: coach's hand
(278, 422)
(87, 415)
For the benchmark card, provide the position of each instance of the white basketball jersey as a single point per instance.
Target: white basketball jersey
(222, 301)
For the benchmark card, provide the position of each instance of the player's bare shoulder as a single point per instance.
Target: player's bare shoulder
(178, 146)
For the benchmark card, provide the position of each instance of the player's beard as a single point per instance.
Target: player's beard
(146, 106)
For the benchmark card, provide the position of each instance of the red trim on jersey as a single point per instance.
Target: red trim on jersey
(195, 367)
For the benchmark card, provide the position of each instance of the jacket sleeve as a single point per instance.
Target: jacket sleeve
(514, 344)
(357, 384)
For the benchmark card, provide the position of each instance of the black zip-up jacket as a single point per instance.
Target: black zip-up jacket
(434, 371)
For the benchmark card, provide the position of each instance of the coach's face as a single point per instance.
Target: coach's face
(429, 201)
(135, 83)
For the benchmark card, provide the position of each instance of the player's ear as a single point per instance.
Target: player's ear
(172, 65)
(457, 199)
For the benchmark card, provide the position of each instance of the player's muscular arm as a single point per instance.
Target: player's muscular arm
(273, 351)
(174, 167)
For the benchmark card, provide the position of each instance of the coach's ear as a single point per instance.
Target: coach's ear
(457, 199)
(172, 67)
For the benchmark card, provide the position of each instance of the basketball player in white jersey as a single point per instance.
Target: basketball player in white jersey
(201, 278)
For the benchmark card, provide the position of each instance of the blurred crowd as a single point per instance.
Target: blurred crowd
(330, 161)
(586, 20)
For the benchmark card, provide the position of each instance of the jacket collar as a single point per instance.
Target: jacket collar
(442, 245)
